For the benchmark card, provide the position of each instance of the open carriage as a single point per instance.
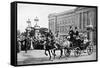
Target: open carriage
(78, 47)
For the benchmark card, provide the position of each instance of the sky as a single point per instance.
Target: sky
(31, 11)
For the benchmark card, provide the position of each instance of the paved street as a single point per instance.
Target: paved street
(38, 56)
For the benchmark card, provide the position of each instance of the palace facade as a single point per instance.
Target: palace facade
(79, 17)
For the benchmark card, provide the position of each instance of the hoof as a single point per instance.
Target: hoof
(46, 54)
(49, 58)
(25, 51)
(84, 52)
(60, 57)
(54, 57)
(54, 54)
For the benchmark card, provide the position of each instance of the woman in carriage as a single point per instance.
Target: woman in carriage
(85, 41)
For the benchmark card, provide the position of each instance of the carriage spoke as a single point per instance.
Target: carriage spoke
(90, 50)
(67, 52)
(77, 52)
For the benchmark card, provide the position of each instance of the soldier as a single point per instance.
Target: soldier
(85, 39)
(76, 36)
(76, 33)
(71, 33)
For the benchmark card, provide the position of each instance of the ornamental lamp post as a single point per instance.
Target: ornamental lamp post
(36, 27)
(36, 19)
(29, 23)
(29, 27)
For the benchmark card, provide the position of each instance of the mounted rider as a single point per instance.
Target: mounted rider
(71, 33)
(76, 37)
(76, 32)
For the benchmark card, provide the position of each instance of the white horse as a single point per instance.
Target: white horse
(61, 46)
(66, 43)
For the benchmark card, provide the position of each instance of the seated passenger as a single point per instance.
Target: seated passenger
(85, 40)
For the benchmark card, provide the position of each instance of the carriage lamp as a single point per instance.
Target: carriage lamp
(89, 27)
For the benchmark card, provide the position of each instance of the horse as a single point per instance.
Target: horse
(48, 44)
(43, 43)
(48, 47)
(60, 46)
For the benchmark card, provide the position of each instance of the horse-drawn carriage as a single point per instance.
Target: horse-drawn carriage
(79, 46)
(51, 45)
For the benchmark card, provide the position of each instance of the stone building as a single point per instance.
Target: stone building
(79, 17)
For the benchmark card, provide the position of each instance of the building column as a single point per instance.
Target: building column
(82, 22)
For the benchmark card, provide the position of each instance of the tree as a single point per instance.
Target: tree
(32, 33)
(24, 34)
(43, 30)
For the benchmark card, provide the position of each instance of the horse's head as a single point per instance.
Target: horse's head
(66, 43)
(67, 37)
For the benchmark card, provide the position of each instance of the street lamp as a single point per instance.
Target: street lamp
(28, 29)
(29, 23)
(36, 19)
(36, 27)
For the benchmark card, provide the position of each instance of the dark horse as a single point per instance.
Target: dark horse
(58, 47)
(47, 46)
(51, 46)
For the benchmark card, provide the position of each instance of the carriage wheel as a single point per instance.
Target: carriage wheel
(67, 52)
(77, 52)
(90, 49)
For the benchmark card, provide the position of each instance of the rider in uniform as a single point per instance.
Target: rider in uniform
(76, 37)
(71, 33)
(76, 33)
